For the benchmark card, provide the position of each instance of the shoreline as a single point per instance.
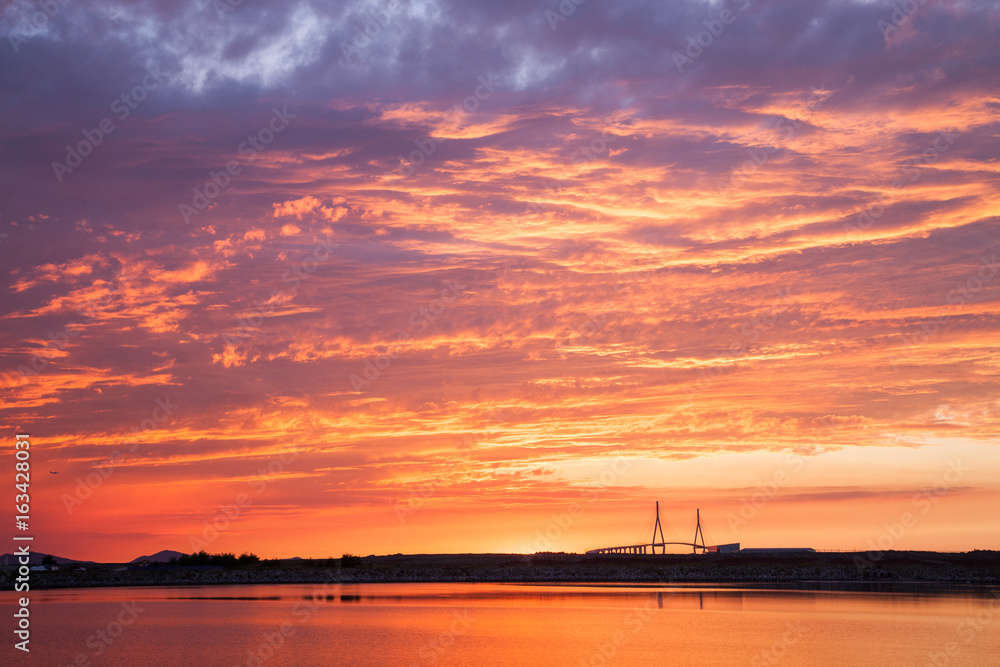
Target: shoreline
(971, 568)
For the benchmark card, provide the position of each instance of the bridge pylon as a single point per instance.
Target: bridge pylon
(697, 534)
(657, 526)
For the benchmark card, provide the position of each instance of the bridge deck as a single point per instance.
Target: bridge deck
(641, 548)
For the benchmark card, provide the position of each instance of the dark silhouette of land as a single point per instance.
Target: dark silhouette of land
(36, 558)
(159, 557)
(974, 567)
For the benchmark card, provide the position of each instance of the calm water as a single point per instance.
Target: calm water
(511, 624)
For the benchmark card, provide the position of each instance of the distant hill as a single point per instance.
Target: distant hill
(159, 557)
(35, 558)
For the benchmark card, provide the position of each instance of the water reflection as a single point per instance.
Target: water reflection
(520, 624)
(670, 596)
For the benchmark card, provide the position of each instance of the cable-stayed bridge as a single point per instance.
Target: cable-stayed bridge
(696, 544)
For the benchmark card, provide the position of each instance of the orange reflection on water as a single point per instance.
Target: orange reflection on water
(511, 624)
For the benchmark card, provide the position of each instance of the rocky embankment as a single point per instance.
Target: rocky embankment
(982, 567)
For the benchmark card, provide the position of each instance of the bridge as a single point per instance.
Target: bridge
(697, 543)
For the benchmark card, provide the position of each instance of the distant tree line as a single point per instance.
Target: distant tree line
(250, 559)
(223, 559)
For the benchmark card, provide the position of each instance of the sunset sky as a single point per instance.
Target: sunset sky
(435, 287)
